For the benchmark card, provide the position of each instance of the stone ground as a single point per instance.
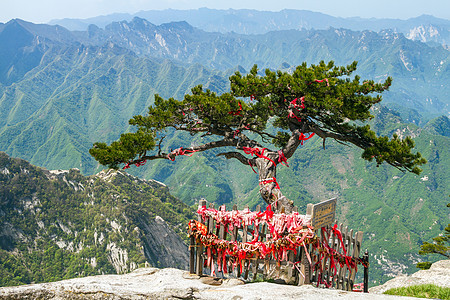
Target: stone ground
(152, 283)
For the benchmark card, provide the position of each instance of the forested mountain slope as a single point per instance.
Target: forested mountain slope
(60, 224)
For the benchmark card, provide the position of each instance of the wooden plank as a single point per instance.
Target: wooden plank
(235, 229)
(192, 255)
(349, 238)
(340, 280)
(245, 231)
(305, 268)
(291, 268)
(356, 251)
(222, 226)
(266, 268)
(332, 244)
(262, 236)
(199, 254)
(255, 265)
(344, 269)
(321, 274)
(246, 263)
(211, 222)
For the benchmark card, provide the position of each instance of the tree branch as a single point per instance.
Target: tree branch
(233, 154)
(216, 144)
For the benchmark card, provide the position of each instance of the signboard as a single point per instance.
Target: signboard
(323, 213)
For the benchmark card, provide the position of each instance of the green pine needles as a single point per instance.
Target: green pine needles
(323, 100)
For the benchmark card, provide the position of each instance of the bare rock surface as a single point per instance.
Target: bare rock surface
(152, 283)
(438, 274)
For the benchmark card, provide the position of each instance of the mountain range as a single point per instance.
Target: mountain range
(62, 90)
(424, 28)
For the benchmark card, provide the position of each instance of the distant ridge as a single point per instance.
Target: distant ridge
(247, 21)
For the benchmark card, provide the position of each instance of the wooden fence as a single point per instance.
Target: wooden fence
(327, 256)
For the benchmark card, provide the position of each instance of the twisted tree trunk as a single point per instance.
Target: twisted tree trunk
(268, 186)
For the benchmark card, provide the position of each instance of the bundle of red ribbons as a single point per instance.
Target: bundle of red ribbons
(288, 232)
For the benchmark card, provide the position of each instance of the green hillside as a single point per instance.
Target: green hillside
(59, 224)
(54, 115)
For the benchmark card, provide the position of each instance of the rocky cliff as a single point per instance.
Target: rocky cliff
(60, 224)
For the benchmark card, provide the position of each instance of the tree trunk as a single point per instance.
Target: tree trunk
(268, 186)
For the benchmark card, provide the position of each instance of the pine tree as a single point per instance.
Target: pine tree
(440, 246)
(276, 109)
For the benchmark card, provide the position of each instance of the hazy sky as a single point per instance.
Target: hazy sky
(42, 11)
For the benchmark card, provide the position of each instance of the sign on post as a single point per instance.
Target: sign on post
(323, 213)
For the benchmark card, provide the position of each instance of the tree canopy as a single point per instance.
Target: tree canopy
(274, 109)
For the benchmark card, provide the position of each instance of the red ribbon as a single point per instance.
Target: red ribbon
(257, 152)
(238, 112)
(294, 103)
(323, 80)
(266, 181)
(138, 164)
(303, 137)
(292, 115)
(180, 151)
(282, 159)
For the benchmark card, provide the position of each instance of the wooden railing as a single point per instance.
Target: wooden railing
(328, 256)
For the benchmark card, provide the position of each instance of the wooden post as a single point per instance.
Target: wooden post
(234, 236)
(332, 278)
(235, 229)
(305, 267)
(366, 271)
(290, 265)
(192, 255)
(340, 279)
(349, 240)
(211, 226)
(199, 259)
(222, 236)
(356, 250)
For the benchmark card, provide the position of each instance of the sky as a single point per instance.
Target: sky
(42, 11)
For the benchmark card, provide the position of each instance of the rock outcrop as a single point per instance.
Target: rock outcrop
(162, 246)
(152, 283)
(438, 274)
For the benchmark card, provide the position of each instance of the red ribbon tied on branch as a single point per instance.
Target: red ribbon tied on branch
(302, 105)
(237, 112)
(323, 80)
(282, 159)
(257, 152)
(303, 137)
(269, 180)
(138, 164)
(180, 151)
(298, 107)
